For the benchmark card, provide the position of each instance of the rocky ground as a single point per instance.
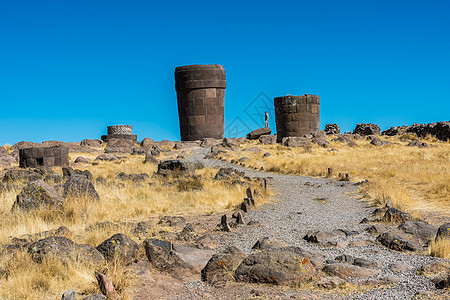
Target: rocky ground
(354, 265)
(315, 239)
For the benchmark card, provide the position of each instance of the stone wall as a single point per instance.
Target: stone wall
(201, 100)
(296, 115)
(43, 156)
(122, 132)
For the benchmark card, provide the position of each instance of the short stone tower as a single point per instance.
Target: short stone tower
(124, 132)
(296, 115)
(201, 100)
(43, 157)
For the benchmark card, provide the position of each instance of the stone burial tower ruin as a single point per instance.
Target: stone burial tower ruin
(296, 115)
(124, 132)
(201, 100)
(43, 157)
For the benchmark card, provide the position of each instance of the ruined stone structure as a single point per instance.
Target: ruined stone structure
(296, 115)
(43, 157)
(201, 99)
(123, 132)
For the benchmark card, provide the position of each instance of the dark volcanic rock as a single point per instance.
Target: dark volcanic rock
(268, 139)
(394, 215)
(332, 129)
(343, 270)
(220, 268)
(21, 175)
(79, 186)
(422, 231)
(255, 134)
(398, 241)
(443, 232)
(379, 142)
(160, 254)
(295, 142)
(119, 146)
(418, 143)
(367, 129)
(275, 266)
(37, 194)
(175, 168)
(119, 246)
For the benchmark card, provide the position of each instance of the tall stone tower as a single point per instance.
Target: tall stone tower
(201, 100)
(296, 115)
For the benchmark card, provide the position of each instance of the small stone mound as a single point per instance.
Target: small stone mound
(367, 129)
(332, 129)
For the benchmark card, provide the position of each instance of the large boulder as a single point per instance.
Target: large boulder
(344, 270)
(398, 241)
(65, 250)
(376, 141)
(21, 175)
(268, 139)
(79, 186)
(275, 266)
(106, 157)
(367, 129)
(443, 232)
(175, 167)
(91, 143)
(119, 246)
(160, 254)
(295, 141)
(147, 143)
(255, 134)
(220, 268)
(37, 194)
(7, 160)
(420, 230)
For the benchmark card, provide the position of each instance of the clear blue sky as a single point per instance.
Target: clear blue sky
(70, 68)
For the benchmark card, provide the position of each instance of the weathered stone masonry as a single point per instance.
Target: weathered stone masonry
(43, 156)
(201, 99)
(120, 132)
(296, 115)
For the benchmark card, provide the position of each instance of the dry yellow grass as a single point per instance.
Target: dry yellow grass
(122, 203)
(414, 179)
(441, 248)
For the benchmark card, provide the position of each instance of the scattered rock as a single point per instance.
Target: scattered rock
(376, 141)
(332, 129)
(400, 267)
(228, 173)
(172, 221)
(421, 230)
(322, 236)
(37, 194)
(255, 134)
(357, 261)
(160, 254)
(418, 143)
(95, 297)
(119, 246)
(119, 146)
(343, 270)
(106, 157)
(444, 283)
(147, 143)
(268, 139)
(79, 186)
(221, 267)
(223, 226)
(68, 295)
(266, 243)
(367, 129)
(175, 168)
(394, 215)
(330, 282)
(295, 142)
(12, 176)
(106, 286)
(275, 266)
(397, 241)
(443, 232)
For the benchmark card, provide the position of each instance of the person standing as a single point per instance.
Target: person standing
(266, 119)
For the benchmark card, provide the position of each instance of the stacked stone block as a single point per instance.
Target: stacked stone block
(201, 100)
(123, 132)
(43, 157)
(296, 115)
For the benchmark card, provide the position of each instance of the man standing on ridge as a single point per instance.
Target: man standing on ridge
(266, 119)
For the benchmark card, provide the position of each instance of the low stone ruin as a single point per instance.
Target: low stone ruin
(122, 132)
(43, 157)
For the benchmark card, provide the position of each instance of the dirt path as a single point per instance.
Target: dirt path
(302, 204)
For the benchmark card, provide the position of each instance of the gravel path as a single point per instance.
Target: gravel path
(297, 209)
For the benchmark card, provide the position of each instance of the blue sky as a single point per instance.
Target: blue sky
(70, 68)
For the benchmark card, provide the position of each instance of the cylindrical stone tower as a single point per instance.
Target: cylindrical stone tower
(120, 129)
(296, 115)
(201, 101)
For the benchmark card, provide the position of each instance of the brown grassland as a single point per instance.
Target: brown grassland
(121, 202)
